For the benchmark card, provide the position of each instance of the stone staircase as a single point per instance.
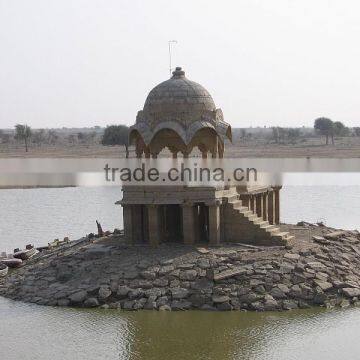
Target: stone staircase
(261, 231)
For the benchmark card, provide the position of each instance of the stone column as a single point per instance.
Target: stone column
(265, 206)
(214, 224)
(127, 219)
(252, 203)
(271, 199)
(154, 225)
(189, 224)
(259, 205)
(277, 205)
(137, 225)
(245, 201)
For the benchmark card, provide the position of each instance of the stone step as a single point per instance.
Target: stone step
(268, 227)
(283, 235)
(246, 212)
(240, 207)
(260, 222)
(232, 198)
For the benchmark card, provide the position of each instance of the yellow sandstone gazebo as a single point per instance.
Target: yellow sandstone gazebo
(179, 115)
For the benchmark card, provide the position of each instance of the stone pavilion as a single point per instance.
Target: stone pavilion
(181, 115)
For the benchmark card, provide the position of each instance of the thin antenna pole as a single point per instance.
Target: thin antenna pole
(169, 43)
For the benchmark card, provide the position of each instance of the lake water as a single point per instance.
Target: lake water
(34, 332)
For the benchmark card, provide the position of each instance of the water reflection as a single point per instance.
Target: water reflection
(35, 332)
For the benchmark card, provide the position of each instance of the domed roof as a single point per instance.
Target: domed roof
(178, 95)
(181, 105)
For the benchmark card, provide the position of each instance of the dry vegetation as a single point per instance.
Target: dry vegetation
(250, 142)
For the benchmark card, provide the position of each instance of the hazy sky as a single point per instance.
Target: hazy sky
(85, 62)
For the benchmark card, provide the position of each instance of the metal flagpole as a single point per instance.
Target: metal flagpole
(170, 42)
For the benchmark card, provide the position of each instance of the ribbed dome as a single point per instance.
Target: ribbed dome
(177, 96)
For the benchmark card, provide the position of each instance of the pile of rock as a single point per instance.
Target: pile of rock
(323, 270)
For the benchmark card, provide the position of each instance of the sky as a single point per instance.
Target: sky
(78, 63)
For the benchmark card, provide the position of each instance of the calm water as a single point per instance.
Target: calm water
(35, 332)
(41, 333)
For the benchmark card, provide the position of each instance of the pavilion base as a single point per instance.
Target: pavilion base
(202, 215)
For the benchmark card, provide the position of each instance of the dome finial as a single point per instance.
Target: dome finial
(178, 73)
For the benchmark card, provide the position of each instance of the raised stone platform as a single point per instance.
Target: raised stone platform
(320, 269)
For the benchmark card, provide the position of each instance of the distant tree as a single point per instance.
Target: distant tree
(91, 137)
(23, 132)
(117, 135)
(38, 137)
(71, 139)
(325, 127)
(275, 134)
(81, 136)
(293, 134)
(52, 137)
(340, 129)
(4, 137)
(357, 131)
(243, 133)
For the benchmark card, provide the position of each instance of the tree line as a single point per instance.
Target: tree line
(112, 135)
(323, 127)
(118, 135)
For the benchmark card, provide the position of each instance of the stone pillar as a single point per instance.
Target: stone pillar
(154, 225)
(252, 203)
(259, 205)
(189, 224)
(245, 201)
(265, 206)
(271, 199)
(277, 205)
(214, 224)
(137, 225)
(128, 221)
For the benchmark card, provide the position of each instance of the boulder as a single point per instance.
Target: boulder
(323, 285)
(188, 275)
(257, 306)
(218, 299)
(277, 293)
(135, 294)
(203, 263)
(78, 297)
(128, 305)
(271, 304)
(249, 298)
(104, 292)
(289, 305)
(161, 282)
(186, 266)
(122, 291)
(63, 302)
(139, 304)
(148, 275)
(351, 292)
(163, 300)
(225, 306)
(320, 298)
(91, 302)
(166, 269)
(179, 293)
(180, 305)
(291, 256)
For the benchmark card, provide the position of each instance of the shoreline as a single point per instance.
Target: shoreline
(36, 187)
(107, 273)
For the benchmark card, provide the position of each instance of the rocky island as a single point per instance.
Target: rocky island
(320, 267)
